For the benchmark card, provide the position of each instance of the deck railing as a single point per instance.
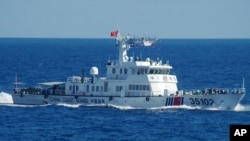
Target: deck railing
(211, 91)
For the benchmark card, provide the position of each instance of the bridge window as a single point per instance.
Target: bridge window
(133, 71)
(148, 88)
(97, 88)
(125, 71)
(118, 88)
(139, 87)
(133, 87)
(105, 86)
(165, 71)
(87, 88)
(158, 71)
(113, 70)
(142, 71)
(151, 71)
(130, 87)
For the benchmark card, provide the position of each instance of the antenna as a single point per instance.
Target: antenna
(243, 83)
(118, 33)
(83, 75)
(16, 80)
(118, 27)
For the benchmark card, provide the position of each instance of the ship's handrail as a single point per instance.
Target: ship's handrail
(143, 93)
(74, 79)
(211, 91)
(78, 79)
(152, 63)
(113, 63)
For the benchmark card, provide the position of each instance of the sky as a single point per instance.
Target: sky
(97, 18)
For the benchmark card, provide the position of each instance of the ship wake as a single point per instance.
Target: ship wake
(240, 107)
(5, 98)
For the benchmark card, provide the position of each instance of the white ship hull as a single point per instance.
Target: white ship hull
(130, 82)
(217, 101)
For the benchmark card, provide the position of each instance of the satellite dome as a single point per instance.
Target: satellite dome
(94, 71)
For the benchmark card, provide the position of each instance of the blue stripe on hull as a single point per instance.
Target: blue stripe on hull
(182, 99)
(170, 101)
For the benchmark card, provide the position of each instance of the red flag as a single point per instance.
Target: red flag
(114, 33)
(177, 101)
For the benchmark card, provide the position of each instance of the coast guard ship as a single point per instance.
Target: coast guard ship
(130, 82)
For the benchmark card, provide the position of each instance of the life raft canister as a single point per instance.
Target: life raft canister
(165, 78)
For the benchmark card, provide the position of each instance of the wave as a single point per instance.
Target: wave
(152, 108)
(79, 105)
(23, 106)
(240, 107)
(5, 98)
(123, 107)
(69, 105)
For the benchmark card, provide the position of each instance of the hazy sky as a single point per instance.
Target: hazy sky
(97, 18)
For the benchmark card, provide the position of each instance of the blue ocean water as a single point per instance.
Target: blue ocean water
(197, 63)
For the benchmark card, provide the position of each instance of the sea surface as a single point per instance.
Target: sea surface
(198, 63)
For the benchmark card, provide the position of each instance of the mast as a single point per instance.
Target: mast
(123, 47)
(15, 85)
(243, 83)
(16, 81)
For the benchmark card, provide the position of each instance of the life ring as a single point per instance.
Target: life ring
(165, 78)
(147, 98)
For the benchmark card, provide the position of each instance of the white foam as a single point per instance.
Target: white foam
(240, 107)
(185, 107)
(123, 107)
(24, 106)
(5, 98)
(69, 105)
(153, 108)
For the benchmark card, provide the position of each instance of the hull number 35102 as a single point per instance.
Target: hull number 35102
(201, 101)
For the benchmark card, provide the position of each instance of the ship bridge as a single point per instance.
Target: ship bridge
(136, 75)
(126, 66)
(117, 70)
